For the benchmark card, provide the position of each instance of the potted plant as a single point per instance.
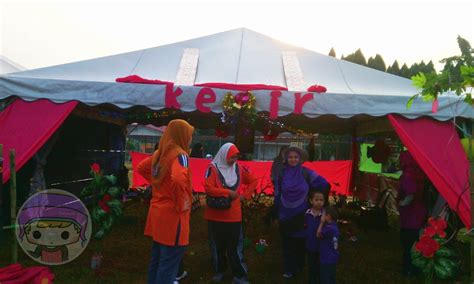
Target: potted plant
(103, 199)
(431, 254)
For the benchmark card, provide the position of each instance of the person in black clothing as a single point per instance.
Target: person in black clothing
(197, 151)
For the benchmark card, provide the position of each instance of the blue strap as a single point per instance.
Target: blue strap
(183, 160)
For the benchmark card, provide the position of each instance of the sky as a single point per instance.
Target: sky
(44, 33)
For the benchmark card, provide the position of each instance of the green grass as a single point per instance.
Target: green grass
(374, 258)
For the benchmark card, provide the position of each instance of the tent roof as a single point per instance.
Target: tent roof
(239, 56)
(8, 66)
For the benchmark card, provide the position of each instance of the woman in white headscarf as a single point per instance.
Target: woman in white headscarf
(224, 179)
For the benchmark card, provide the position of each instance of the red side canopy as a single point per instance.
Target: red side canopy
(436, 147)
(338, 173)
(26, 126)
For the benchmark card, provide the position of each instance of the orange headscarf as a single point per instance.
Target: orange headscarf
(175, 141)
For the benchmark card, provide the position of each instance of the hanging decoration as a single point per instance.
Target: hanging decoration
(151, 115)
(239, 108)
(276, 124)
(431, 255)
(270, 134)
(239, 114)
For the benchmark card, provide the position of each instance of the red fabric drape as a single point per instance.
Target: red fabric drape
(242, 87)
(437, 149)
(26, 126)
(17, 274)
(139, 80)
(336, 172)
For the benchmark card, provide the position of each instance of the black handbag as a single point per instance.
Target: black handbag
(223, 203)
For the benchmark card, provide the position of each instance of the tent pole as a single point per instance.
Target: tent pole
(13, 205)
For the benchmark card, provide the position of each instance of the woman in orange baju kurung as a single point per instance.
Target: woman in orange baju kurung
(170, 206)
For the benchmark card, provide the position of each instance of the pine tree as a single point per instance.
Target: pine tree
(356, 57)
(421, 67)
(404, 71)
(370, 62)
(414, 70)
(430, 67)
(379, 63)
(332, 52)
(395, 68)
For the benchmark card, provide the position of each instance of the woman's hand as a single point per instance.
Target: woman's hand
(319, 234)
(320, 227)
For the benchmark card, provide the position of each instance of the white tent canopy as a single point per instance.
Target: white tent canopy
(8, 66)
(238, 56)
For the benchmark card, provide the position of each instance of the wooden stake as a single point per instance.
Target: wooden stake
(13, 205)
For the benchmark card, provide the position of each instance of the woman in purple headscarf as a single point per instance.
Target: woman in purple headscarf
(291, 191)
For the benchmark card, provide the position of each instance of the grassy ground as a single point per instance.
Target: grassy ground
(374, 258)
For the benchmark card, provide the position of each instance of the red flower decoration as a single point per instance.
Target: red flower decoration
(317, 89)
(438, 223)
(103, 203)
(438, 226)
(222, 133)
(95, 168)
(429, 232)
(427, 246)
(242, 98)
(107, 197)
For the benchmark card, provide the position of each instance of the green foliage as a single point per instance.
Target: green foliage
(463, 236)
(457, 76)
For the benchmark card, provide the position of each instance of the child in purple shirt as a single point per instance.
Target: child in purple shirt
(312, 219)
(328, 246)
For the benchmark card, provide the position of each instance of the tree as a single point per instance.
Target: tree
(457, 75)
(394, 69)
(452, 65)
(370, 62)
(404, 71)
(379, 63)
(356, 57)
(332, 52)
(429, 67)
(414, 70)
